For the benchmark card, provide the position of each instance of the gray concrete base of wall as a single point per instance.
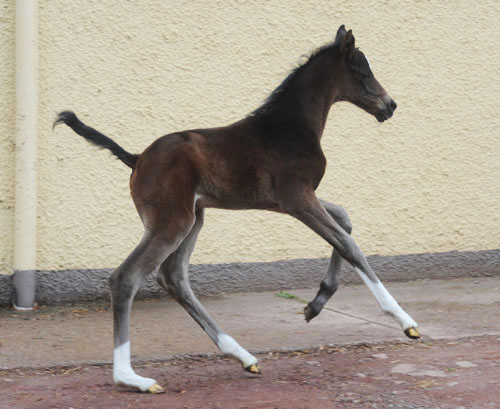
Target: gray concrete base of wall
(212, 279)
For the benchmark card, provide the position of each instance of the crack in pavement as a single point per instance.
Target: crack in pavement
(301, 300)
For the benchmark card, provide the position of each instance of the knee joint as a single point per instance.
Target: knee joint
(171, 280)
(160, 278)
(344, 220)
(114, 282)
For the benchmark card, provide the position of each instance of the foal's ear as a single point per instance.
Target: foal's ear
(341, 32)
(347, 44)
(345, 39)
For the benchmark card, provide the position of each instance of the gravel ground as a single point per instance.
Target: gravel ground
(457, 374)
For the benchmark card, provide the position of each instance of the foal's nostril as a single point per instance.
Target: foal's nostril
(393, 105)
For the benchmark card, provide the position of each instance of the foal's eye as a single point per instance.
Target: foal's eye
(363, 75)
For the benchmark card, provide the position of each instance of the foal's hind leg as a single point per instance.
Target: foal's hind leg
(124, 283)
(173, 276)
(332, 277)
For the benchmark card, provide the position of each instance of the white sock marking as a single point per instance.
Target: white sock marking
(123, 374)
(228, 346)
(387, 302)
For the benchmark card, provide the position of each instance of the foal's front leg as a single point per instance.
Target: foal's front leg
(331, 281)
(311, 212)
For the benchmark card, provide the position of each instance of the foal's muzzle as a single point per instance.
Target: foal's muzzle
(386, 109)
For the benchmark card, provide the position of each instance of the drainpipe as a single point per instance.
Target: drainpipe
(26, 135)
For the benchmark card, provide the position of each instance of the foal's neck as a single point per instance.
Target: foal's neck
(304, 99)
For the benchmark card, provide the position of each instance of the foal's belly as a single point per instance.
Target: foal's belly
(237, 190)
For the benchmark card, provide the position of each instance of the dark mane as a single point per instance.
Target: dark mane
(272, 99)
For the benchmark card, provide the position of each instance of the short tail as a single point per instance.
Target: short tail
(95, 137)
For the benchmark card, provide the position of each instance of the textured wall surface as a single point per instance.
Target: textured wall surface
(7, 132)
(425, 181)
(215, 279)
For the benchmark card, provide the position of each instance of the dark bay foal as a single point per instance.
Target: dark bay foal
(270, 160)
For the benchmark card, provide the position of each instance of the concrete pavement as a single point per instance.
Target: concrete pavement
(268, 321)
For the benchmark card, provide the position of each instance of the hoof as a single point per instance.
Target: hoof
(253, 369)
(155, 389)
(310, 312)
(412, 333)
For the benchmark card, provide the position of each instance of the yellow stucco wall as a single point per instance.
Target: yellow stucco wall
(428, 180)
(7, 133)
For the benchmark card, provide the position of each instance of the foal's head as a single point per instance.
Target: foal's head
(356, 82)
